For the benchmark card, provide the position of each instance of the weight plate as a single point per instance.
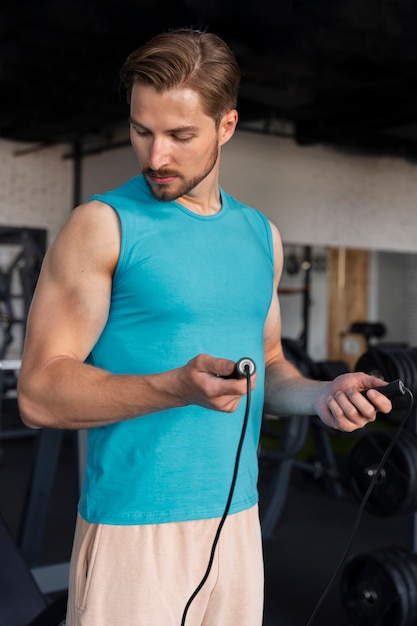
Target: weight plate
(377, 362)
(411, 559)
(397, 561)
(373, 591)
(395, 488)
(409, 440)
(391, 364)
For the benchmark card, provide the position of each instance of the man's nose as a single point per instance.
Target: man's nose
(158, 154)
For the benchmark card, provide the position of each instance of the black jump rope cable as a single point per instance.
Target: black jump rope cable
(244, 369)
(401, 391)
(247, 369)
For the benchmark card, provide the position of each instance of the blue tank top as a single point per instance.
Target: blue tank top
(184, 284)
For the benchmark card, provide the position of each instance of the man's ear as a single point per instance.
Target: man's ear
(227, 126)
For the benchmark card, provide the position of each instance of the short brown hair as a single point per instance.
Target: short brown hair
(187, 58)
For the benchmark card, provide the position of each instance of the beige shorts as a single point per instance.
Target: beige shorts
(144, 575)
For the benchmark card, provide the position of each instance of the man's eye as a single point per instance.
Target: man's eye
(182, 139)
(140, 132)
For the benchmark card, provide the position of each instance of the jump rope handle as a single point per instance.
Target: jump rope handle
(392, 390)
(242, 367)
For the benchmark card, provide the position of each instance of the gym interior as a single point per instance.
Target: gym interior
(339, 529)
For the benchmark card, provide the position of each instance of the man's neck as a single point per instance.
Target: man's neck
(196, 205)
(205, 199)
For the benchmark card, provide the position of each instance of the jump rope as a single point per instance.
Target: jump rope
(244, 368)
(392, 390)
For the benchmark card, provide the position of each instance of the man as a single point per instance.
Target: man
(146, 299)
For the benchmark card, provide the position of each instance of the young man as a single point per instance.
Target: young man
(146, 299)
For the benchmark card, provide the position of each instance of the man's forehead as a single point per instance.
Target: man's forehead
(180, 93)
(182, 105)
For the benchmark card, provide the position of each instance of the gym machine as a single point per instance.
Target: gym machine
(21, 600)
(289, 435)
(30, 595)
(379, 588)
(26, 248)
(22, 251)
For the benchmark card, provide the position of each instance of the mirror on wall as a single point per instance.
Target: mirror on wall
(323, 290)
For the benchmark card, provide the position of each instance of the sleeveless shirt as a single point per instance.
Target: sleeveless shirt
(184, 284)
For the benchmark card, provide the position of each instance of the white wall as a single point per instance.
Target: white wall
(319, 195)
(35, 188)
(409, 281)
(392, 294)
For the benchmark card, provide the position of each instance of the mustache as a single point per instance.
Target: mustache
(160, 173)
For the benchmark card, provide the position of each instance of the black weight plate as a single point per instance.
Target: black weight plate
(396, 564)
(377, 362)
(411, 559)
(403, 365)
(392, 489)
(409, 442)
(372, 591)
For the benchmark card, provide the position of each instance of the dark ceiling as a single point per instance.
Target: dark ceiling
(337, 71)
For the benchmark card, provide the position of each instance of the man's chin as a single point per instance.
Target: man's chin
(164, 195)
(162, 192)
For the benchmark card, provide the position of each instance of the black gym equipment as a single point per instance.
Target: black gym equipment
(370, 330)
(21, 601)
(18, 279)
(288, 436)
(379, 588)
(25, 248)
(390, 363)
(30, 594)
(395, 491)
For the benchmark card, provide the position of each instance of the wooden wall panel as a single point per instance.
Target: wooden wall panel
(347, 302)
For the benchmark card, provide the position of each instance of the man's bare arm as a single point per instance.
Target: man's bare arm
(69, 311)
(338, 403)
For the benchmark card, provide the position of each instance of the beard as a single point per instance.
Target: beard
(181, 186)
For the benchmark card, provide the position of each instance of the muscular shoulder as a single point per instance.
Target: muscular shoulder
(96, 218)
(90, 236)
(278, 251)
